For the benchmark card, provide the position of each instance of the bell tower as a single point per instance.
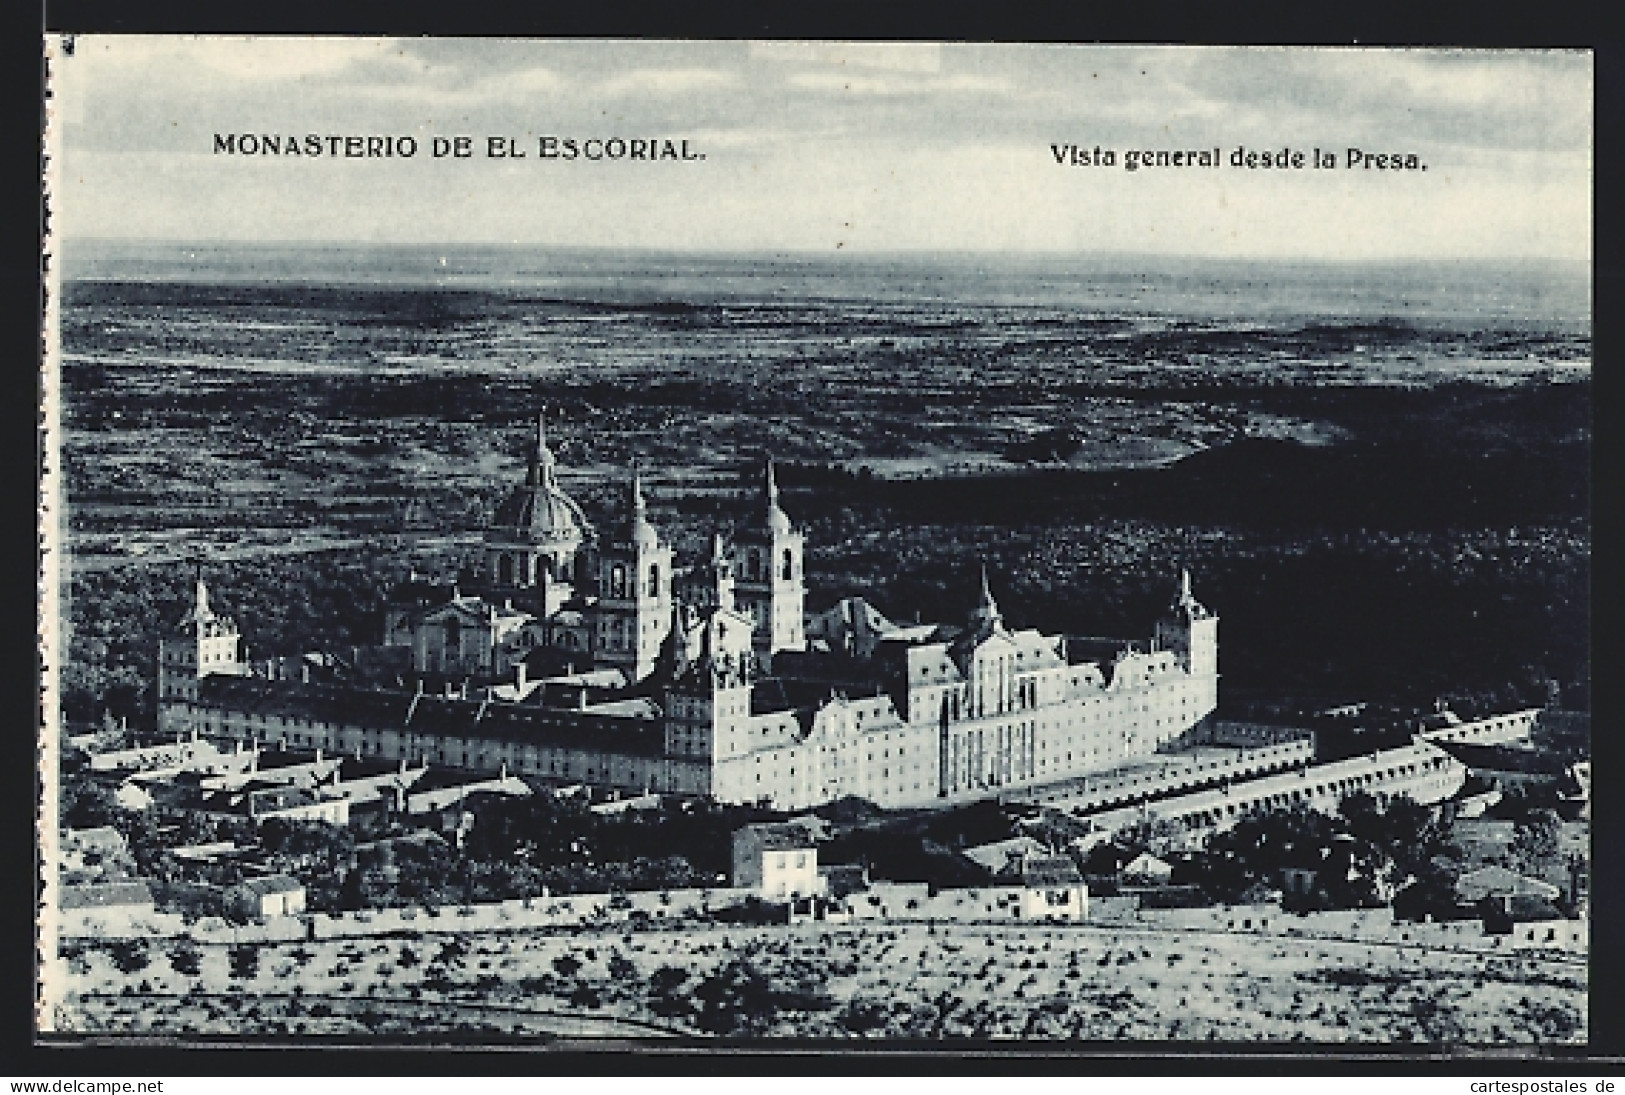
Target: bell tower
(769, 580)
(634, 593)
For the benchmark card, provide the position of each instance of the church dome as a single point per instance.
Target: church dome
(540, 510)
(543, 513)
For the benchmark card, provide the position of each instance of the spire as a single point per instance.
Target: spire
(674, 648)
(777, 521)
(542, 463)
(1185, 601)
(719, 553)
(640, 508)
(987, 609)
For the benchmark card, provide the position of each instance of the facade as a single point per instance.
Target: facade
(776, 862)
(1053, 889)
(262, 898)
(706, 680)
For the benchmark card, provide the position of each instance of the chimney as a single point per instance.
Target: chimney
(519, 676)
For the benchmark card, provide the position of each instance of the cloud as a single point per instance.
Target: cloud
(676, 81)
(889, 56)
(1484, 99)
(856, 84)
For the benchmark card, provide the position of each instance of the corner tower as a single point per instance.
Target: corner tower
(769, 580)
(204, 644)
(1191, 631)
(707, 667)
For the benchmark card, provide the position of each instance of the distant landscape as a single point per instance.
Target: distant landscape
(1379, 475)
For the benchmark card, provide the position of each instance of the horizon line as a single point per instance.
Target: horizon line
(814, 253)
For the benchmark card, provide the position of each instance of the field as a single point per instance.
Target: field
(899, 981)
(1380, 477)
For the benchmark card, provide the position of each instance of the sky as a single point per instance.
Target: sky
(827, 147)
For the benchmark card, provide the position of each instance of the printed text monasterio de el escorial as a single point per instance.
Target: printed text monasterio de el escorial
(459, 147)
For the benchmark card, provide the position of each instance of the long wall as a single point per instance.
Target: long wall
(1494, 730)
(1421, 771)
(1101, 792)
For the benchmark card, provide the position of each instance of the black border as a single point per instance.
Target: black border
(1501, 25)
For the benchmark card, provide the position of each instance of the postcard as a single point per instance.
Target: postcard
(635, 543)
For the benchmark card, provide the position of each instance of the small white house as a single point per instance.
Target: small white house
(273, 895)
(1053, 889)
(778, 862)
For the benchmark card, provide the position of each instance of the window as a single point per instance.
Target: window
(654, 580)
(787, 565)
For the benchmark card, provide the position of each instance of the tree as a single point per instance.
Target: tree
(737, 999)
(1534, 842)
(186, 959)
(130, 955)
(667, 980)
(245, 961)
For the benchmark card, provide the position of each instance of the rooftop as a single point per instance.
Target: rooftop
(1050, 870)
(778, 836)
(104, 895)
(431, 715)
(270, 884)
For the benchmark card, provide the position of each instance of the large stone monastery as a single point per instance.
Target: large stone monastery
(589, 657)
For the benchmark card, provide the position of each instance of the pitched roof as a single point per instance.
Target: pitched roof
(778, 836)
(270, 884)
(1500, 758)
(103, 895)
(1050, 870)
(1501, 881)
(103, 838)
(996, 856)
(433, 715)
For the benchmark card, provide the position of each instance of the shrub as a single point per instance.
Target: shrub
(129, 955)
(185, 959)
(245, 961)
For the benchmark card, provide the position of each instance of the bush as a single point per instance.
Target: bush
(129, 955)
(186, 959)
(245, 961)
